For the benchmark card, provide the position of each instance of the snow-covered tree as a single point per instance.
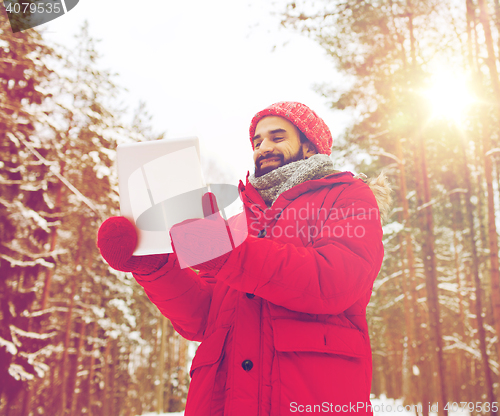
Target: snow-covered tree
(75, 336)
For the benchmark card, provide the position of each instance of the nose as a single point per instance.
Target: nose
(266, 146)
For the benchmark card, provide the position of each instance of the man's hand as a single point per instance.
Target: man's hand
(117, 240)
(203, 244)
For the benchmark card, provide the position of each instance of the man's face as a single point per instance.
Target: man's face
(277, 143)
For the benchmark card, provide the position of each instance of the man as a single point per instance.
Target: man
(281, 318)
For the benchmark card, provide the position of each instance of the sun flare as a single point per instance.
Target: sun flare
(449, 96)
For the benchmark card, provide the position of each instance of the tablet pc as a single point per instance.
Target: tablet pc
(161, 184)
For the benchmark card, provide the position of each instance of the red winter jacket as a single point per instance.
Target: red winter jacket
(283, 322)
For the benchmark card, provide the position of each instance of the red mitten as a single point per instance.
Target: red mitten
(203, 244)
(117, 240)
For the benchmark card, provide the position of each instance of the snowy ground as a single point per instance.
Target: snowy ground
(385, 407)
(381, 407)
(164, 414)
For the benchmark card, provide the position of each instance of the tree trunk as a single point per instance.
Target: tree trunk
(113, 367)
(105, 375)
(488, 38)
(75, 380)
(481, 333)
(459, 355)
(67, 341)
(170, 360)
(428, 246)
(91, 369)
(428, 251)
(161, 366)
(181, 365)
(492, 232)
(53, 241)
(412, 320)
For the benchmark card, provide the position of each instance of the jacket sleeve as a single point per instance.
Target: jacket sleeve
(328, 276)
(182, 296)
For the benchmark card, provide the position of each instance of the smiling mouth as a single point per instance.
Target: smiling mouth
(268, 161)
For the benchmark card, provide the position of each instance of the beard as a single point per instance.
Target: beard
(262, 171)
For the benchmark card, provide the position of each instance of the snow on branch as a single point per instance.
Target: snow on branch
(474, 352)
(55, 171)
(20, 263)
(33, 335)
(15, 247)
(451, 287)
(391, 302)
(492, 151)
(10, 346)
(50, 310)
(19, 373)
(35, 216)
(392, 227)
(386, 154)
(380, 282)
(39, 367)
(434, 200)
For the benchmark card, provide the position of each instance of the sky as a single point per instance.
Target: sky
(205, 68)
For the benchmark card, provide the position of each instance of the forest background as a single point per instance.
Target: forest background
(421, 83)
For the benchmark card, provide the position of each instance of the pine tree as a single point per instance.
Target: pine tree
(441, 252)
(24, 231)
(76, 337)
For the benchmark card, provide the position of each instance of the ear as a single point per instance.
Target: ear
(309, 149)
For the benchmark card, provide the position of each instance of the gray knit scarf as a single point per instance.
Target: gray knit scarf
(279, 180)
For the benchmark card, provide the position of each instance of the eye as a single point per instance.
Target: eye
(278, 139)
(256, 145)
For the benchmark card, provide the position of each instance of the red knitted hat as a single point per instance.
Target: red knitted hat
(305, 119)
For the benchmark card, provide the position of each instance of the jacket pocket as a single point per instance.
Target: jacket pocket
(209, 373)
(210, 349)
(291, 335)
(318, 364)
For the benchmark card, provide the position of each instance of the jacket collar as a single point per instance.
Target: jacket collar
(251, 197)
